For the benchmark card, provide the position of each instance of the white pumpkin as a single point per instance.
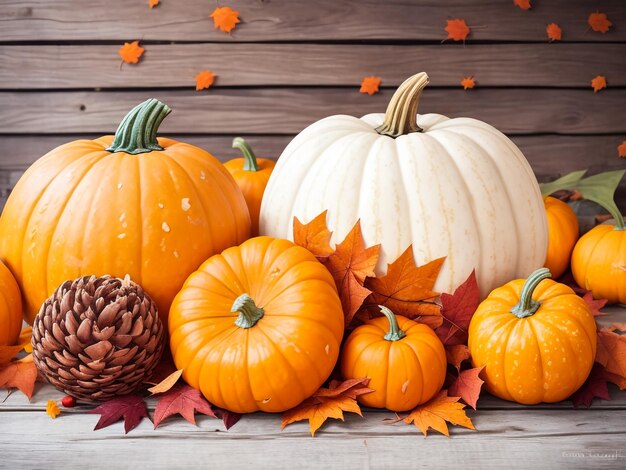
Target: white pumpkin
(449, 187)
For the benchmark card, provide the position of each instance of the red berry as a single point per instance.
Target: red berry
(68, 401)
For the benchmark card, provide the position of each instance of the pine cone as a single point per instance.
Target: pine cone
(97, 337)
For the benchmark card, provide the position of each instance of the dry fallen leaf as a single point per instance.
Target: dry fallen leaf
(313, 236)
(52, 409)
(184, 400)
(468, 83)
(456, 354)
(594, 305)
(468, 386)
(26, 336)
(225, 18)
(554, 32)
(436, 412)
(598, 83)
(599, 22)
(457, 311)
(328, 403)
(130, 52)
(167, 383)
(131, 408)
(457, 30)
(204, 80)
(594, 387)
(523, 4)
(611, 351)
(153, 3)
(370, 85)
(20, 374)
(8, 352)
(621, 149)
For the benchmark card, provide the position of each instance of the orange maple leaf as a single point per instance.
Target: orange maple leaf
(611, 351)
(468, 386)
(456, 354)
(370, 85)
(599, 22)
(225, 18)
(313, 236)
(130, 52)
(554, 32)
(9, 352)
(20, 374)
(349, 265)
(457, 30)
(204, 80)
(523, 4)
(25, 339)
(468, 83)
(327, 403)
(436, 412)
(153, 3)
(407, 289)
(621, 150)
(598, 83)
(52, 409)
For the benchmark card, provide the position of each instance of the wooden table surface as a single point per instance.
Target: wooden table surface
(508, 435)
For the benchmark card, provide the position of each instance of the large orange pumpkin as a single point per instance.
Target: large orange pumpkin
(10, 308)
(562, 235)
(257, 327)
(405, 361)
(130, 204)
(251, 174)
(536, 339)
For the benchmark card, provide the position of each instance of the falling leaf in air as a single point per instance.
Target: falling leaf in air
(468, 83)
(435, 413)
(598, 83)
(204, 80)
(370, 85)
(611, 351)
(554, 32)
(621, 150)
(184, 400)
(457, 30)
(523, 4)
(328, 402)
(130, 52)
(468, 386)
(349, 265)
(52, 409)
(153, 3)
(594, 305)
(313, 236)
(20, 374)
(599, 22)
(456, 354)
(225, 18)
(457, 311)
(131, 408)
(167, 383)
(407, 289)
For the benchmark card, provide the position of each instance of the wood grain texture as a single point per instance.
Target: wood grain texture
(302, 20)
(176, 65)
(289, 110)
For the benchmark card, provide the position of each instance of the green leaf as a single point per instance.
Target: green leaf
(564, 182)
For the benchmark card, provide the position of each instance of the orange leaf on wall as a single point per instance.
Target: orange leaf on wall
(598, 83)
(370, 85)
(523, 4)
(554, 32)
(204, 80)
(457, 30)
(468, 83)
(599, 22)
(621, 150)
(130, 52)
(225, 18)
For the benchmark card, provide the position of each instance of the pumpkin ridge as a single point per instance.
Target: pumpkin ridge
(505, 345)
(409, 345)
(534, 333)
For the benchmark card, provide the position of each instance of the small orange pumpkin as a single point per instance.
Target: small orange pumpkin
(562, 235)
(405, 361)
(10, 308)
(251, 174)
(257, 327)
(536, 339)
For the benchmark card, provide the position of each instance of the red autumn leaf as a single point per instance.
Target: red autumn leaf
(594, 387)
(599, 22)
(204, 80)
(225, 18)
(594, 305)
(457, 30)
(328, 403)
(611, 351)
(621, 150)
(554, 32)
(229, 418)
(350, 264)
(184, 400)
(468, 386)
(435, 413)
(131, 408)
(457, 311)
(468, 83)
(598, 83)
(370, 85)
(456, 354)
(20, 374)
(313, 236)
(523, 4)
(407, 289)
(153, 3)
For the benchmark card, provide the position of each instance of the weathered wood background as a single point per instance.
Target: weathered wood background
(291, 62)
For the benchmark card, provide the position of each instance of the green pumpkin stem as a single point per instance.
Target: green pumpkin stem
(250, 162)
(527, 306)
(137, 133)
(401, 114)
(249, 313)
(394, 333)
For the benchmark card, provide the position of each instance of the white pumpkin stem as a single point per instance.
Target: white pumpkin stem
(401, 114)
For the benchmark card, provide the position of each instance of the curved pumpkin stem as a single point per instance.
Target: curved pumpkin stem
(137, 133)
(249, 313)
(527, 306)
(250, 162)
(401, 114)
(394, 333)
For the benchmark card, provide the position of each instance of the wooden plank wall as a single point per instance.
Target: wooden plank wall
(291, 62)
